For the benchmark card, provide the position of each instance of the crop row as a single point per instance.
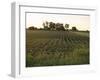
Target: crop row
(63, 42)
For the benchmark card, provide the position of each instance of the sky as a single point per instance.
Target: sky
(81, 22)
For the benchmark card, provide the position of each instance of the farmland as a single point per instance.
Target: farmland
(52, 48)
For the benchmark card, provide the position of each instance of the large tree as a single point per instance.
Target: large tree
(59, 26)
(74, 28)
(52, 25)
(66, 26)
(45, 25)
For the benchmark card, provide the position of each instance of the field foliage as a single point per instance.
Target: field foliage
(51, 48)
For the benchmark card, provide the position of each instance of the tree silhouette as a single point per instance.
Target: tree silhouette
(52, 25)
(59, 26)
(45, 25)
(32, 28)
(67, 26)
(74, 29)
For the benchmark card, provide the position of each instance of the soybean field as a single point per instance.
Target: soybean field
(52, 48)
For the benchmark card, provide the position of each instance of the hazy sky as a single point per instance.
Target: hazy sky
(81, 22)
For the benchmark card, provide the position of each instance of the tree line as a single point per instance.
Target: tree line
(53, 26)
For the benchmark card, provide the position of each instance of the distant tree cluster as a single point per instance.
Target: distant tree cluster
(74, 29)
(53, 26)
(32, 28)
